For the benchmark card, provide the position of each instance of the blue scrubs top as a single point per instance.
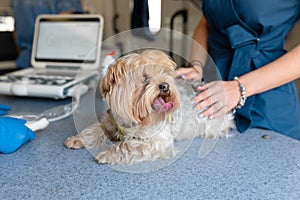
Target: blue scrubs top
(25, 12)
(246, 35)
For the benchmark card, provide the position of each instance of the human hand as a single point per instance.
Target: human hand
(4, 109)
(13, 134)
(216, 98)
(190, 73)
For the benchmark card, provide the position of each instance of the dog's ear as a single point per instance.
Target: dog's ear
(117, 71)
(112, 76)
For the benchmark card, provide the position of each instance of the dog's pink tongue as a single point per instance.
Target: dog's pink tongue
(161, 106)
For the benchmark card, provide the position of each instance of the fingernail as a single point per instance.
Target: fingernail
(201, 116)
(210, 117)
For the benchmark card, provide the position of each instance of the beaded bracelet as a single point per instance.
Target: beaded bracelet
(243, 95)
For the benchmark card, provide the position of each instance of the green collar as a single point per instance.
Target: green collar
(120, 129)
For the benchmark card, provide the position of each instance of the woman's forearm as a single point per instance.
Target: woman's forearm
(201, 33)
(200, 43)
(274, 74)
(198, 54)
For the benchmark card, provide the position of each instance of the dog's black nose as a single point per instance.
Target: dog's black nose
(164, 87)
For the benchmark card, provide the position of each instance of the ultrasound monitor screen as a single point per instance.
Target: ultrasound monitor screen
(73, 40)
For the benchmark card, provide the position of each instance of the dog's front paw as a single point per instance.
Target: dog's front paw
(74, 142)
(102, 158)
(109, 156)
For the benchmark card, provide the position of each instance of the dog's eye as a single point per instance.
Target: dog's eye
(145, 78)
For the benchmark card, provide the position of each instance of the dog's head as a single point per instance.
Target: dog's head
(140, 88)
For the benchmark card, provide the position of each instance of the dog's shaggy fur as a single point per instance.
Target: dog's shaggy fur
(148, 110)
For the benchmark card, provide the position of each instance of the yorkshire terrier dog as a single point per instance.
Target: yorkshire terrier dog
(149, 109)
